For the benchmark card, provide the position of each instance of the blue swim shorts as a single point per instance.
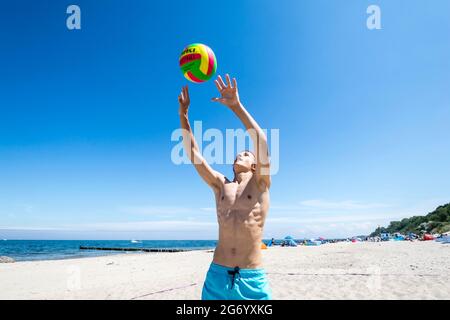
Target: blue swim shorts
(224, 283)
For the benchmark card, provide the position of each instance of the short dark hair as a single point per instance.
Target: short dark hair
(251, 153)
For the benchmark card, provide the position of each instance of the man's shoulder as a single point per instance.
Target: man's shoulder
(221, 180)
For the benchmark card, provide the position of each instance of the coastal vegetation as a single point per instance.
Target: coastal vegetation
(437, 221)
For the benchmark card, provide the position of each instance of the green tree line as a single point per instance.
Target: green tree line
(437, 221)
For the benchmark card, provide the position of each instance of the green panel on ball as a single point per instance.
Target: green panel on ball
(194, 65)
(198, 74)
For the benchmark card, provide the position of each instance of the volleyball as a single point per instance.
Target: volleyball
(198, 62)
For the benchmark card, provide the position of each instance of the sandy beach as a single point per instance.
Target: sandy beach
(387, 270)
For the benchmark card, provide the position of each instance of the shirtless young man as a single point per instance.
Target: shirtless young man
(242, 205)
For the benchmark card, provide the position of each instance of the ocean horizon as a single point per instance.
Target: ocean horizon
(34, 250)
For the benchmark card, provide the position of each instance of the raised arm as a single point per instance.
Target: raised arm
(211, 177)
(230, 98)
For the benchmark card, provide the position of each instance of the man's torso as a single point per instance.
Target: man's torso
(241, 212)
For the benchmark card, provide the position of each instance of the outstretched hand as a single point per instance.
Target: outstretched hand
(229, 93)
(184, 100)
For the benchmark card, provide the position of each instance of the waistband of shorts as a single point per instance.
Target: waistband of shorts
(243, 272)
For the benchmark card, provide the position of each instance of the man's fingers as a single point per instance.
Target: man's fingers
(219, 87)
(234, 83)
(217, 100)
(221, 81)
(228, 80)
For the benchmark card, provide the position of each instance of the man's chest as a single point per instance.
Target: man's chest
(238, 196)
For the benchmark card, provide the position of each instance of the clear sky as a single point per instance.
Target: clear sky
(86, 116)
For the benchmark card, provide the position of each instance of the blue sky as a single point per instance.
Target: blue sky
(86, 116)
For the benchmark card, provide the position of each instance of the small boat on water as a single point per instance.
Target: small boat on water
(136, 241)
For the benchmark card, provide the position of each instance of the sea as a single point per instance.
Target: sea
(32, 250)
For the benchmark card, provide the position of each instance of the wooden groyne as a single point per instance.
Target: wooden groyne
(134, 249)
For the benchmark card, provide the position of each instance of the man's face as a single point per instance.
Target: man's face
(245, 161)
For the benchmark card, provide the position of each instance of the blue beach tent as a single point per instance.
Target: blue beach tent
(289, 241)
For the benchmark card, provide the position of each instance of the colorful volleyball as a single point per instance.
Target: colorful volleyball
(198, 62)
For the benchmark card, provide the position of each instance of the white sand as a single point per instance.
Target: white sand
(388, 270)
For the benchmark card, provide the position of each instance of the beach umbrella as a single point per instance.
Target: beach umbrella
(288, 238)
